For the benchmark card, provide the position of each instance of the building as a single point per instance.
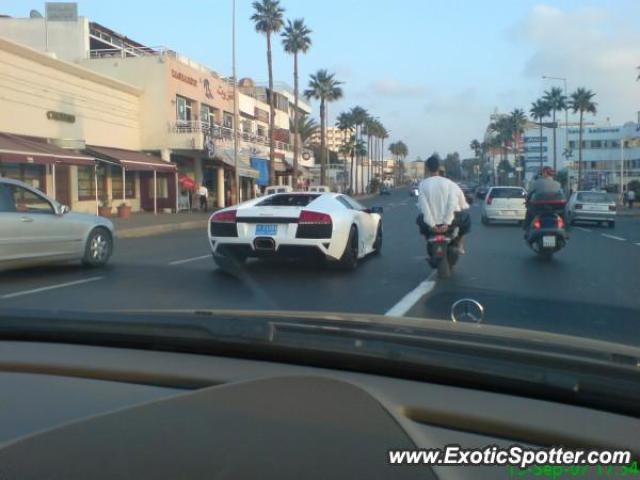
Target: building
(603, 149)
(415, 170)
(186, 109)
(335, 138)
(57, 115)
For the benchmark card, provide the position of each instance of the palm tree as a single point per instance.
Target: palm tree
(324, 87)
(539, 110)
(518, 121)
(345, 123)
(502, 130)
(582, 101)
(360, 116)
(352, 148)
(267, 17)
(296, 39)
(384, 134)
(557, 102)
(370, 132)
(306, 128)
(475, 146)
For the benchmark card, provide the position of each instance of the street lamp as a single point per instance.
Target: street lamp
(235, 106)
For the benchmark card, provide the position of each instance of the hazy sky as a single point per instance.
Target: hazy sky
(432, 71)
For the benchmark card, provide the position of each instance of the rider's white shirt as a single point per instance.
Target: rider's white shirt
(439, 199)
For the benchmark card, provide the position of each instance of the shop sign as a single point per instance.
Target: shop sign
(61, 116)
(184, 78)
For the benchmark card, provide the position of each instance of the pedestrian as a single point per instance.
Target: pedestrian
(631, 197)
(203, 194)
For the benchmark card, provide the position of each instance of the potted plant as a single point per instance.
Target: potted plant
(105, 206)
(124, 210)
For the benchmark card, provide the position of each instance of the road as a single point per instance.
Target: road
(590, 288)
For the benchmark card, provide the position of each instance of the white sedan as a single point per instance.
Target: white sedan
(328, 226)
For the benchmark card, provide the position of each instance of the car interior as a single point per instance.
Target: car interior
(139, 413)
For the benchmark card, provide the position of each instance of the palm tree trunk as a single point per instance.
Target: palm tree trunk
(369, 160)
(272, 153)
(555, 163)
(540, 124)
(382, 162)
(580, 152)
(323, 160)
(296, 144)
(352, 183)
(361, 170)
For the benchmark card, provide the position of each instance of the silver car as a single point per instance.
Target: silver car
(592, 207)
(35, 229)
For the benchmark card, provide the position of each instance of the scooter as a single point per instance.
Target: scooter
(442, 249)
(546, 234)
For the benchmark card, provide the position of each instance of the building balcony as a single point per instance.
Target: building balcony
(194, 135)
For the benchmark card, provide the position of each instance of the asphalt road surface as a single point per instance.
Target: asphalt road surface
(589, 289)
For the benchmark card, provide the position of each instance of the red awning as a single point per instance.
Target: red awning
(133, 160)
(27, 149)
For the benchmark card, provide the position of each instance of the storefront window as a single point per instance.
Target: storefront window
(162, 186)
(86, 183)
(33, 175)
(116, 184)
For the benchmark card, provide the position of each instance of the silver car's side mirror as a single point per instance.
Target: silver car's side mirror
(63, 209)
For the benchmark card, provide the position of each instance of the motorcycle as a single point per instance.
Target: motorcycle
(442, 249)
(546, 233)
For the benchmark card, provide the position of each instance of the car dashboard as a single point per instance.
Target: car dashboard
(75, 411)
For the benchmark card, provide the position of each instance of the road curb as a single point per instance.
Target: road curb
(136, 232)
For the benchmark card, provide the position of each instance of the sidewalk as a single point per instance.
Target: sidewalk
(144, 224)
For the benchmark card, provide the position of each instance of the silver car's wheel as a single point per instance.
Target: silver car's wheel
(98, 249)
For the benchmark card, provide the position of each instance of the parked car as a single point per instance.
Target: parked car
(327, 226)
(481, 191)
(468, 192)
(591, 207)
(270, 190)
(35, 230)
(319, 188)
(504, 204)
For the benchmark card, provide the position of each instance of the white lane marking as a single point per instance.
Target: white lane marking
(613, 237)
(50, 287)
(411, 298)
(638, 244)
(584, 229)
(187, 260)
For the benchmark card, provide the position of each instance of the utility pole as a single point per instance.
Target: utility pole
(235, 107)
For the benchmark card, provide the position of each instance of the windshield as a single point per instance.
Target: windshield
(591, 197)
(507, 193)
(176, 140)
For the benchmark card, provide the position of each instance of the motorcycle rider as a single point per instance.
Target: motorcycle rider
(442, 202)
(544, 185)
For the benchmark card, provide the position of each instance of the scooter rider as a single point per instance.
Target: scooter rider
(442, 202)
(545, 185)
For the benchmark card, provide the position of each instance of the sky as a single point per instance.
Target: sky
(432, 71)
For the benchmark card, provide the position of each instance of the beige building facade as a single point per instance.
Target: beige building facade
(71, 108)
